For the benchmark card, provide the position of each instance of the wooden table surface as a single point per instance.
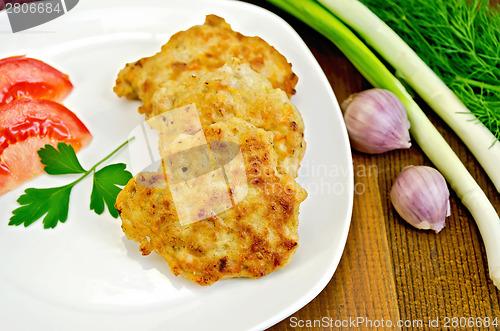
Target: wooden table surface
(390, 271)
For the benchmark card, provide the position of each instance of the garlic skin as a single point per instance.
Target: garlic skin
(376, 121)
(420, 195)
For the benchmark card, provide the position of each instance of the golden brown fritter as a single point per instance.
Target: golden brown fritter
(200, 49)
(255, 237)
(236, 90)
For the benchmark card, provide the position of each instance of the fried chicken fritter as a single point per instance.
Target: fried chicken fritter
(257, 236)
(200, 49)
(236, 90)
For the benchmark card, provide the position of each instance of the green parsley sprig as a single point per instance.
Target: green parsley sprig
(54, 202)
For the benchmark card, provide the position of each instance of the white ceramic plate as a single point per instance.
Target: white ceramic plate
(84, 274)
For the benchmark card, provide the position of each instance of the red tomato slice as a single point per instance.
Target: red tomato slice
(26, 125)
(30, 78)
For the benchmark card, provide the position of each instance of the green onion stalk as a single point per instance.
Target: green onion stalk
(410, 67)
(422, 130)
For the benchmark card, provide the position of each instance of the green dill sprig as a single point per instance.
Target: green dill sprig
(460, 41)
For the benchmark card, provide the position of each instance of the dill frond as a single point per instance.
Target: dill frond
(460, 41)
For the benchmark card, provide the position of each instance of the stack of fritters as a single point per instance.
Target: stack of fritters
(240, 87)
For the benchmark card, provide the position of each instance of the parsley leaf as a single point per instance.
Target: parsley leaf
(60, 161)
(54, 202)
(51, 202)
(105, 189)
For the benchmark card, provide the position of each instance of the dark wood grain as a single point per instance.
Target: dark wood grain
(389, 270)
